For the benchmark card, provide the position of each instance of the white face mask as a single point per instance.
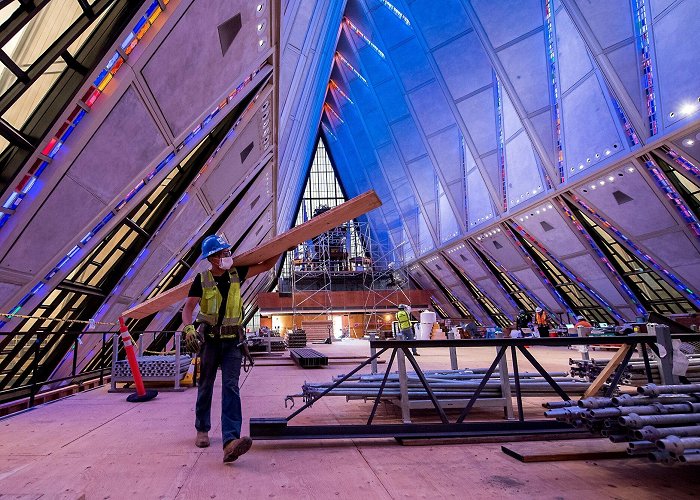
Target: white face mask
(226, 262)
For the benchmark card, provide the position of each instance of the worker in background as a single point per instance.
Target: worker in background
(523, 320)
(403, 317)
(541, 322)
(216, 334)
(581, 321)
(471, 328)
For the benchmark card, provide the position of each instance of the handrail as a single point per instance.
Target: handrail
(78, 332)
(33, 342)
(507, 342)
(83, 375)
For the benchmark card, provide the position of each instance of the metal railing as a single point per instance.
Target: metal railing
(39, 350)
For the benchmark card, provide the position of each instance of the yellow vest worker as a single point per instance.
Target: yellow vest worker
(403, 318)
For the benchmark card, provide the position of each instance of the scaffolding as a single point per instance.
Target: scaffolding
(386, 276)
(345, 258)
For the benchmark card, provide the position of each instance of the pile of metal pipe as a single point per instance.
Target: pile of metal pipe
(446, 384)
(661, 422)
(635, 372)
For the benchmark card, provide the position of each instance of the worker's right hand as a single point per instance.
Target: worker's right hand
(191, 339)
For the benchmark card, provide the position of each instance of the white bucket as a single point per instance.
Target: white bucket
(427, 320)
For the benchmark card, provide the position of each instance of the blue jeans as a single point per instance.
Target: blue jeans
(409, 334)
(228, 355)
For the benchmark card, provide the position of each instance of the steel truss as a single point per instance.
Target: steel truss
(279, 428)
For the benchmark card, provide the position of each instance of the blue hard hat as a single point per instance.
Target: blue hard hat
(213, 244)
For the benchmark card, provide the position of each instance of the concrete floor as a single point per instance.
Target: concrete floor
(96, 445)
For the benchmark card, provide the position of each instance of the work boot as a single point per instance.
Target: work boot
(202, 440)
(236, 447)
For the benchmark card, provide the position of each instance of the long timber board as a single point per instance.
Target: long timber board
(317, 225)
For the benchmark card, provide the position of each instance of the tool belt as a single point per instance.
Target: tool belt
(221, 332)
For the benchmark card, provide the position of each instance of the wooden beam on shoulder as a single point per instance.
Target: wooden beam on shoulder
(276, 246)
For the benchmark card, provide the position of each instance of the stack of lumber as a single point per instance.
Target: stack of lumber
(296, 338)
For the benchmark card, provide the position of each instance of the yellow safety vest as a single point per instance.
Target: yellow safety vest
(541, 318)
(404, 320)
(211, 300)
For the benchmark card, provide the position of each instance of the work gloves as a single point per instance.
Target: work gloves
(192, 340)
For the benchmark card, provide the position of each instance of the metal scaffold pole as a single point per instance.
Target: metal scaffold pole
(386, 279)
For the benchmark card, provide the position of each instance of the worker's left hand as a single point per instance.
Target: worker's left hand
(192, 340)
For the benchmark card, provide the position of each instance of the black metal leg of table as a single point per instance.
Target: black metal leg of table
(516, 376)
(419, 373)
(381, 387)
(486, 378)
(545, 374)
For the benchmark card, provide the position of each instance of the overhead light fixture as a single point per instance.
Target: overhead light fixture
(261, 26)
(611, 178)
(688, 142)
(688, 109)
(259, 8)
(607, 152)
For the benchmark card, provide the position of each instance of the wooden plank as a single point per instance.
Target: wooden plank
(317, 225)
(160, 301)
(582, 449)
(607, 371)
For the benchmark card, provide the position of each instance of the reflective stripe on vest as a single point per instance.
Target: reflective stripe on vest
(541, 318)
(211, 300)
(404, 320)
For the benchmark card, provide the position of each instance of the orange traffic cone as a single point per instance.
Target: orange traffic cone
(141, 394)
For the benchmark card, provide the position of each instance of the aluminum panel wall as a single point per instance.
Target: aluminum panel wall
(129, 129)
(642, 214)
(532, 281)
(677, 62)
(196, 67)
(549, 228)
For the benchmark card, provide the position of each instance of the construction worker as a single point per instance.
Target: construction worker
(403, 317)
(581, 321)
(216, 335)
(523, 320)
(541, 322)
(471, 328)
